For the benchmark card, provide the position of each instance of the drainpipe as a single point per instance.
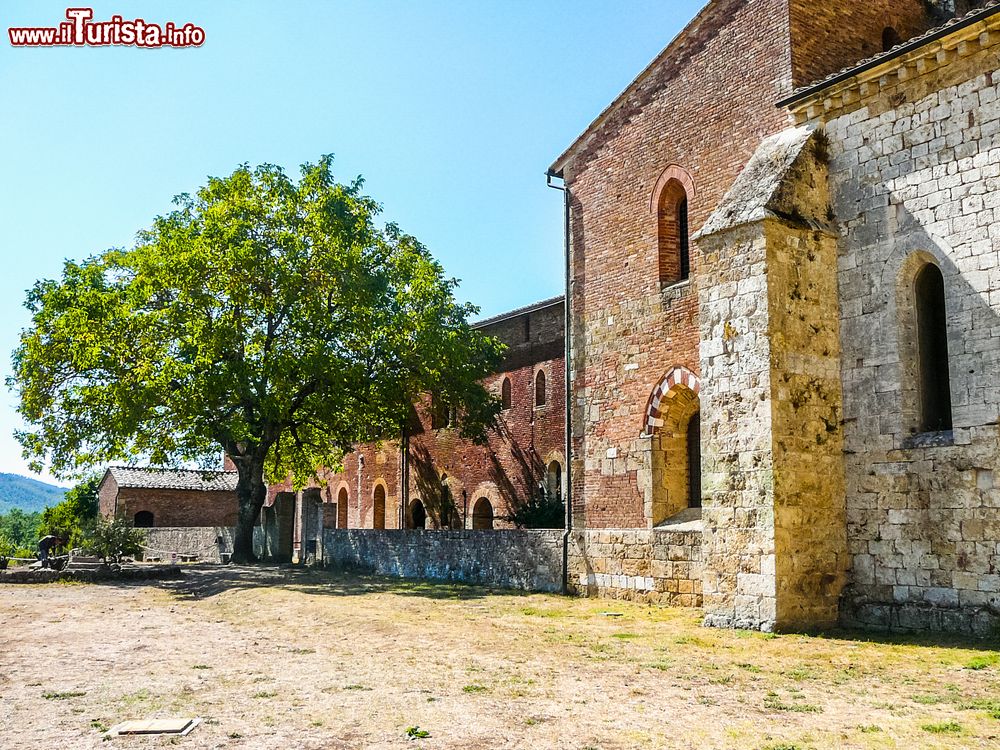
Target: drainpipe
(567, 351)
(404, 490)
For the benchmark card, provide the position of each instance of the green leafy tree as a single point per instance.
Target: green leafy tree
(72, 518)
(113, 539)
(268, 317)
(20, 528)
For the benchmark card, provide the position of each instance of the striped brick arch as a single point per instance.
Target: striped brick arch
(659, 401)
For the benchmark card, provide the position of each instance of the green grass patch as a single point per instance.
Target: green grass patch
(944, 727)
(983, 662)
(927, 700)
(625, 636)
(264, 694)
(774, 702)
(474, 689)
(869, 729)
(64, 696)
(992, 707)
(200, 666)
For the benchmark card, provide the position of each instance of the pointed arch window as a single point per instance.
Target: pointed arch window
(505, 399)
(540, 388)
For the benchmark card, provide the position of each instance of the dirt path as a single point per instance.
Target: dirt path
(275, 658)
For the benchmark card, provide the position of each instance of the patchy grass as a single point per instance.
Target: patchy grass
(290, 657)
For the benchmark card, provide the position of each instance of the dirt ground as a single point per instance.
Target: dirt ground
(289, 658)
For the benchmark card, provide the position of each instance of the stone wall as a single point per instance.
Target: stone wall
(659, 566)
(201, 541)
(775, 548)
(527, 560)
(915, 171)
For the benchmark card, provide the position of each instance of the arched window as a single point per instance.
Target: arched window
(673, 234)
(342, 508)
(439, 413)
(553, 480)
(694, 460)
(143, 520)
(934, 383)
(540, 388)
(378, 508)
(418, 516)
(890, 38)
(505, 394)
(482, 514)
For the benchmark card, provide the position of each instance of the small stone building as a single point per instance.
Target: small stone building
(153, 497)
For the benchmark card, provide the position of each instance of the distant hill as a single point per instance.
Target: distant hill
(27, 494)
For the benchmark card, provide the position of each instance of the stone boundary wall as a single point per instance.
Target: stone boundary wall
(659, 566)
(141, 573)
(512, 559)
(195, 540)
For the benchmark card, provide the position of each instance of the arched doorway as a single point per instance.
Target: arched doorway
(694, 460)
(378, 508)
(342, 508)
(418, 515)
(673, 425)
(482, 514)
(553, 481)
(143, 520)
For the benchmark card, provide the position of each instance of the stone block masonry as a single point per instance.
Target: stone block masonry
(914, 174)
(509, 559)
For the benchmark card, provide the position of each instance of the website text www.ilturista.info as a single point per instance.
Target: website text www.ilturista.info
(81, 31)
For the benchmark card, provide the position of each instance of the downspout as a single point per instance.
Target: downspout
(567, 351)
(404, 489)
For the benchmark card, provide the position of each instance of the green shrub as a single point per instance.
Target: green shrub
(113, 540)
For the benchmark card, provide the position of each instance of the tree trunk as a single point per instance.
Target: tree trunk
(251, 492)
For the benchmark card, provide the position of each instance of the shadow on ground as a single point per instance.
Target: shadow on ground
(205, 581)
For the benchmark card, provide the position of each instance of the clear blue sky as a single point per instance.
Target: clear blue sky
(451, 110)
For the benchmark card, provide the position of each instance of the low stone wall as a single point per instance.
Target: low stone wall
(208, 543)
(513, 559)
(660, 566)
(93, 575)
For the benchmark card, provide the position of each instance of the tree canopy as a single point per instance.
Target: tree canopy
(267, 317)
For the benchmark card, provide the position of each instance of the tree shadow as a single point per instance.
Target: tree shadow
(201, 582)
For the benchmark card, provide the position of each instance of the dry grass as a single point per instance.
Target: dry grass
(282, 658)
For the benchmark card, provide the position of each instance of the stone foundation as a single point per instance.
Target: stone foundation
(661, 566)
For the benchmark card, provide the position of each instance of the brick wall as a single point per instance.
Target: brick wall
(179, 507)
(704, 106)
(915, 160)
(829, 36)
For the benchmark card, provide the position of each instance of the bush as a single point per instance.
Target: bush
(541, 511)
(113, 540)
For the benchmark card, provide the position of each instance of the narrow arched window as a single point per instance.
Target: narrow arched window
(505, 394)
(143, 520)
(932, 350)
(540, 388)
(440, 413)
(890, 38)
(673, 234)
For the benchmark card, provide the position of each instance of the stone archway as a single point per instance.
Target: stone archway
(673, 425)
